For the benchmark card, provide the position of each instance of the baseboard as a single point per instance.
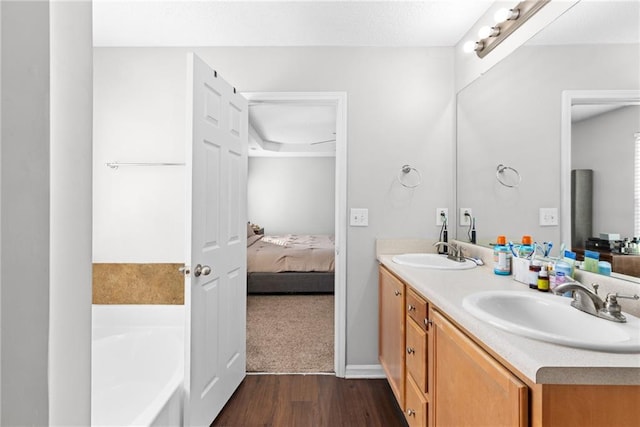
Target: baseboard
(364, 371)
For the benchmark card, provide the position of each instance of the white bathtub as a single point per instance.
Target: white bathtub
(137, 365)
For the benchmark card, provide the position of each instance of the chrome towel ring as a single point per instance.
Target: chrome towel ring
(405, 172)
(500, 176)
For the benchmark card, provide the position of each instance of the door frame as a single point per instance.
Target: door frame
(569, 99)
(340, 285)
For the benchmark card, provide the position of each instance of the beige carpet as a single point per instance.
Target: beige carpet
(290, 333)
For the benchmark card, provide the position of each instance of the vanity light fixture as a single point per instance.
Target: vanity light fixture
(507, 21)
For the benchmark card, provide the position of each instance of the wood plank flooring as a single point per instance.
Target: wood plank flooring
(311, 401)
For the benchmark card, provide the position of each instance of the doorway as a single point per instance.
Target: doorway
(338, 101)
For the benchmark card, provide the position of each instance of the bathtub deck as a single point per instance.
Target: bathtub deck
(311, 400)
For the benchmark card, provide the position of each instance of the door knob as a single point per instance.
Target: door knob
(203, 270)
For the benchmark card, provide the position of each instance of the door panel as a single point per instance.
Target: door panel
(215, 290)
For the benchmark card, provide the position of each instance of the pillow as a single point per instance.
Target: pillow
(250, 231)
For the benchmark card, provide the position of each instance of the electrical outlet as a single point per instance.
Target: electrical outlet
(548, 216)
(359, 217)
(465, 219)
(442, 214)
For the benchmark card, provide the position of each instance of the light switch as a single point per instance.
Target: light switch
(548, 216)
(359, 217)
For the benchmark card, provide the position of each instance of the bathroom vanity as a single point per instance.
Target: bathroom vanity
(446, 367)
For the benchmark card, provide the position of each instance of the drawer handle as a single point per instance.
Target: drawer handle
(411, 412)
(411, 307)
(428, 322)
(411, 350)
(397, 292)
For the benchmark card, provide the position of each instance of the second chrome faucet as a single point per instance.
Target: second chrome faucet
(587, 300)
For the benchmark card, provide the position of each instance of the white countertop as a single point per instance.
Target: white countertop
(540, 362)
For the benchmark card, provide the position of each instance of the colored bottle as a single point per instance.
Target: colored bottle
(543, 279)
(534, 270)
(501, 257)
(526, 248)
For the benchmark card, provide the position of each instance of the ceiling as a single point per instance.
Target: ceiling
(594, 22)
(281, 129)
(283, 23)
(285, 129)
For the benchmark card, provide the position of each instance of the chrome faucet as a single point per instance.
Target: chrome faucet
(454, 252)
(587, 300)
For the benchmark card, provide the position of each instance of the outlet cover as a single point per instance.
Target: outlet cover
(548, 217)
(464, 219)
(359, 217)
(439, 219)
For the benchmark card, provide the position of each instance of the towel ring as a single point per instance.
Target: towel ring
(404, 172)
(501, 168)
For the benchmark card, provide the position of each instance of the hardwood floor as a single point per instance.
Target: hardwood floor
(311, 401)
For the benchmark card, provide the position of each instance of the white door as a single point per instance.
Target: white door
(215, 287)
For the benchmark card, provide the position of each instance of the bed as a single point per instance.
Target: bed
(292, 263)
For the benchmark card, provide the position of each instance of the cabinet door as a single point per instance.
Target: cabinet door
(470, 388)
(391, 338)
(416, 356)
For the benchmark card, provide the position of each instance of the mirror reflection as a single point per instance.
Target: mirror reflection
(604, 173)
(512, 115)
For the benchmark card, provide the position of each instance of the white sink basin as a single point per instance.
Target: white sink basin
(551, 318)
(435, 261)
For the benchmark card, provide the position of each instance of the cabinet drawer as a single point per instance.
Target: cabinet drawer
(416, 407)
(416, 357)
(417, 308)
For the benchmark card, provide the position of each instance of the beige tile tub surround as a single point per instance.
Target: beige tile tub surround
(138, 284)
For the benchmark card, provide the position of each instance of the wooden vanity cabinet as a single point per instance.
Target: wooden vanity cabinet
(469, 386)
(391, 331)
(442, 377)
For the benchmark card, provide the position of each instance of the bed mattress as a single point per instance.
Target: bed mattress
(291, 252)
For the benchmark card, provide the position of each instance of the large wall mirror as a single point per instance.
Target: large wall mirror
(513, 116)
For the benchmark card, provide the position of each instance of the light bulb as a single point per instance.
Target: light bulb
(487, 31)
(471, 46)
(484, 32)
(504, 14)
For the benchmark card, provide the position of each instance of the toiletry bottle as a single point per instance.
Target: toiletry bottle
(534, 270)
(561, 278)
(526, 248)
(569, 259)
(590, 262)
(604, 268)
(501, 257)
(543, 279)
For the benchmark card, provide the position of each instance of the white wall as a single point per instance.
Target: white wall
(400, 110)
(606, 144)
(70, 255)
(24, 199)
(139, 116)
(292, 195)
